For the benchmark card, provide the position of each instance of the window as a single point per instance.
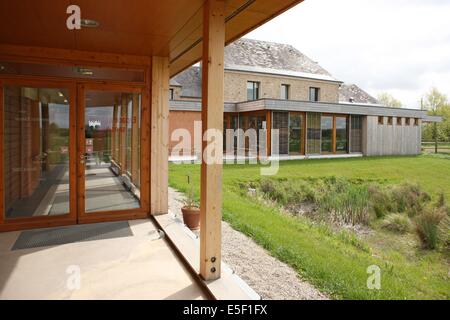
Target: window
(399, 121)
(280, 121)
(356, 134)
(285, 91)
(380, 120)
(416, 121)
(314, 94)
(313, 133)
(389, 121)
(327, 134)
(407, 121)
(295, 133)
(171, 94)
(341, 134)
(252, 90)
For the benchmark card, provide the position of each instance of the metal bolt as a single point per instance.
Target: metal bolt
(213, 259)
(213, 269)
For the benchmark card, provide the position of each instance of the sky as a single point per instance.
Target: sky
(401, 47)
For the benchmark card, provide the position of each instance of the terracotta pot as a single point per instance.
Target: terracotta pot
(191, 217)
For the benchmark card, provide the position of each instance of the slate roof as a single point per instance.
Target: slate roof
(271, 55)
(255, 56)
(351, 93)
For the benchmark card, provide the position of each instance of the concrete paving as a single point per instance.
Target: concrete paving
(142, 266)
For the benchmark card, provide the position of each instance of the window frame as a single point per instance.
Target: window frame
(256, 86)
(286, 90)
(316, 94)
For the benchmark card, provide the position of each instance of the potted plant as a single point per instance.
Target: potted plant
(191, 210)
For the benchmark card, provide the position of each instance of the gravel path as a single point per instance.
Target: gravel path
(269, 277)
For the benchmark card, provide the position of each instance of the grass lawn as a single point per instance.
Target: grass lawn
(334, 261)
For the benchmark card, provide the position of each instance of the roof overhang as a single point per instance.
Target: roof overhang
(170, 28)
(306, 106)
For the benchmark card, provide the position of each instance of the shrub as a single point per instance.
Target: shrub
(444, 232)
(380, 201)
(397, 223)
(427, 227)
(350, 205)
(409, 198)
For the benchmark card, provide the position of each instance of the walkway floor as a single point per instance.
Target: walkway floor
(142, 266)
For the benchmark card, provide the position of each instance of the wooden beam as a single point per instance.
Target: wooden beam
(159, 171)
(135, 140)
(212, 119)
(123, 134)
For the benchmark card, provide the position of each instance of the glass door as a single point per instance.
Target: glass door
(38, 143)
(110, 152)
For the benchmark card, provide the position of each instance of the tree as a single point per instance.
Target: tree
(388, 100)
(437, 104)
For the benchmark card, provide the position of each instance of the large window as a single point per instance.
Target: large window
(280, 121)
(252, 90)
(326, 126)
(314, 94)
(285, 91)
(341, 135)
(356, 133)
(295, 133)
(36, 151)
(313, 133)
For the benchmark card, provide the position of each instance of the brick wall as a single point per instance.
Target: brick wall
(270, 87)
(185, 120)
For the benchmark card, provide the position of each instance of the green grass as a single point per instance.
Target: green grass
(337, 262)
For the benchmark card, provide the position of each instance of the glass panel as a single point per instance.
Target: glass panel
(356, 134)
(250, 91)
(67, 71)
(327, 134)
(295, 133)
(341, 135)
(313, 133)
(112, 166)
(280, 121)
(36, 151)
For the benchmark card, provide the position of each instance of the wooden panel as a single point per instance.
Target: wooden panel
(114, 134)
(212, 119)
(135, 139)
(159, 136)
(123, 134)
(269, 133)
(2, 152)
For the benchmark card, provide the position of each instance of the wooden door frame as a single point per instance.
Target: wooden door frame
(41, 221)
(113, 215)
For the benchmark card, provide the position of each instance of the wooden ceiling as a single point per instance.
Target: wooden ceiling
(170, 28)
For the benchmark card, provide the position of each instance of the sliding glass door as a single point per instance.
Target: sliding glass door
(38, 150)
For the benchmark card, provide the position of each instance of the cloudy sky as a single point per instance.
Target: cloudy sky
(399, 46)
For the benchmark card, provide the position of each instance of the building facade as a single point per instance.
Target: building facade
(274, 86)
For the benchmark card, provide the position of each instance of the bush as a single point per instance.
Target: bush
(349, 205)
(397, 223)
(444, 232)
(380, 201)
(427, 227)
(409, 198)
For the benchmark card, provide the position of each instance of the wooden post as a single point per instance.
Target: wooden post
(123, 134)
(212, 119)
(135, 140)
(159, 172)
(114, 134)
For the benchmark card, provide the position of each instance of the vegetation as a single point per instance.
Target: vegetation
(437, 104)
(388, 100)
(365, 212)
